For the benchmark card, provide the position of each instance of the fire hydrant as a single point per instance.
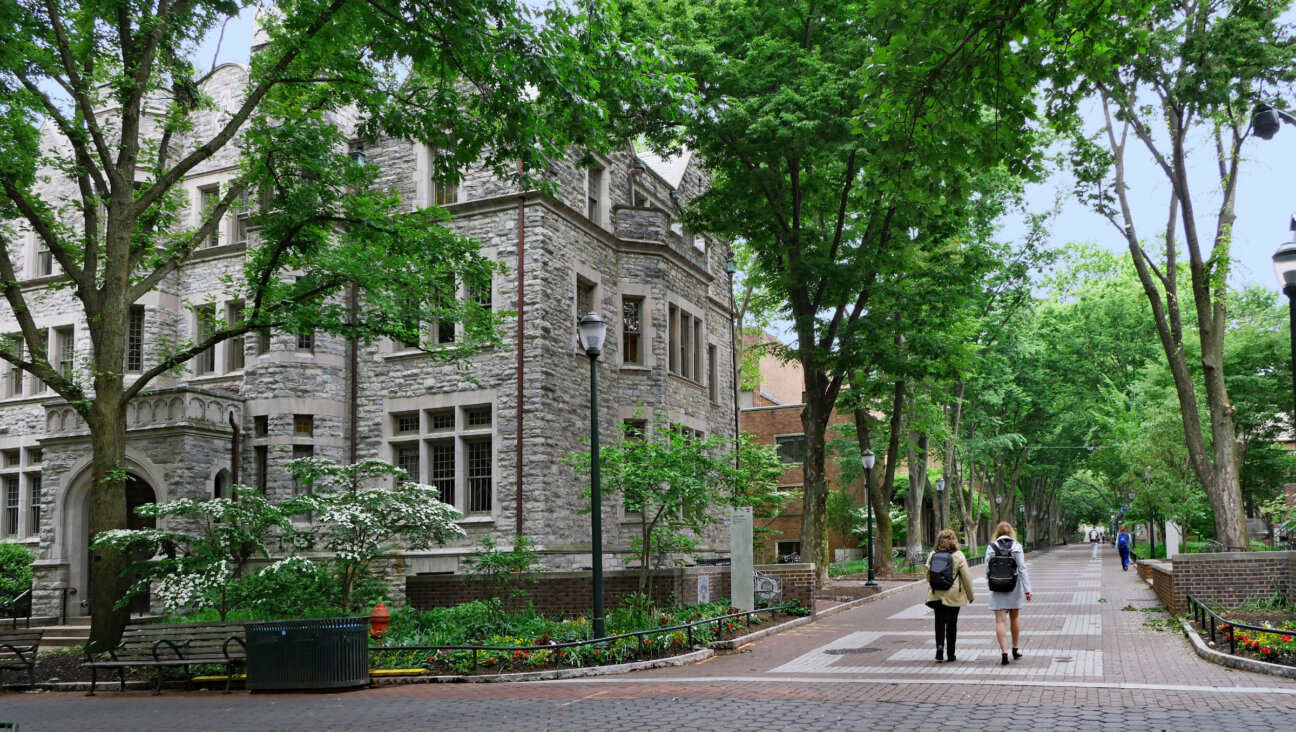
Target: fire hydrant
(378, 620)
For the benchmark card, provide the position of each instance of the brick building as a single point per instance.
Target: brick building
(607, 240)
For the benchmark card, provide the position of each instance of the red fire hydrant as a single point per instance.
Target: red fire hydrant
(378, 620)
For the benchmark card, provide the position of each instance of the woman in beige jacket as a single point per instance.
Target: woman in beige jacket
(946, 603)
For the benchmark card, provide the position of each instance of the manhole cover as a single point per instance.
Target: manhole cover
(1062, 659)
(849, 651)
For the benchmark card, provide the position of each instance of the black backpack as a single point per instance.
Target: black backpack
(1001, 570)
(940, 574)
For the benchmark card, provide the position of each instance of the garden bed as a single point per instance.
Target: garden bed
(1276, 646)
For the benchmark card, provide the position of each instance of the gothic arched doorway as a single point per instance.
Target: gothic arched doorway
(138, 493)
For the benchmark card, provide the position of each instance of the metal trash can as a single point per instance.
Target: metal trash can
(323, 653)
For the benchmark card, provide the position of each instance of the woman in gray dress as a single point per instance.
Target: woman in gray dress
(1007, 605)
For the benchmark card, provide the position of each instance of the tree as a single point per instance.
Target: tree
(359, 525)
(207, 548)
(674, 482)
(824, 125)
(121, 93)
(1174, 79)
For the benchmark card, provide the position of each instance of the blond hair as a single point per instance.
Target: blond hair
(947, 541)
(1004, 529)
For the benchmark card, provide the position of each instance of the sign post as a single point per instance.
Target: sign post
(740, 558)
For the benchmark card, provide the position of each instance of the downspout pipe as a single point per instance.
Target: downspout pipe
(521, 343)
(234, 451)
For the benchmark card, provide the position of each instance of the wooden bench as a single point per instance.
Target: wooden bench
(170, 646)
(18, 652)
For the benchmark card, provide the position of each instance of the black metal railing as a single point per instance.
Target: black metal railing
(1210, 620)
(687, 628)
(1212, 546)
(18, 607)
(976, 561)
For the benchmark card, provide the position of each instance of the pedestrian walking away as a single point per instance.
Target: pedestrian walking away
(1123, 546)
(1093, 543)
(1009, 586)
(951, 589)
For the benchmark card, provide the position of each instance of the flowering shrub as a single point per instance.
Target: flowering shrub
(1270, 646)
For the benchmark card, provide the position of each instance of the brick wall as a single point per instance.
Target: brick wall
(570, 593)
(1228, 578)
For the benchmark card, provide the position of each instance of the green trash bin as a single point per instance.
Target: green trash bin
(323, 653)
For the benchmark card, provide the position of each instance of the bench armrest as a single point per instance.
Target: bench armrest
(177, 648)
(21, 652)
(233, 639)
(94, 647)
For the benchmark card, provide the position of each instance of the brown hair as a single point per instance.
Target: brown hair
(947, 541)
(1004, 529)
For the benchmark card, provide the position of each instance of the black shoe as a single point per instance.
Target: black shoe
(1004, 662)
(940, 653)
(951, 659)
(1016, 653)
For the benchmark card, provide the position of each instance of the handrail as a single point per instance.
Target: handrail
(687, 627)
(12, 607)
(1201, 611)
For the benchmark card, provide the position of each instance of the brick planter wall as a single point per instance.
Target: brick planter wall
(570, 593)
(1227, 578)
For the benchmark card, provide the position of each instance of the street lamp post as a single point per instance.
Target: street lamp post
(1147, 475)
(868, 459)
(940, 504)
(593, 330)
(998, 505)
(1131, 495)
(1285, 267)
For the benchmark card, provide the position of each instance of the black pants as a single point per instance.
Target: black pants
(946, 628)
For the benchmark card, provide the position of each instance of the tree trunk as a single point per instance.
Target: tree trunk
(108, 581)
(814, 503)
(914, 502)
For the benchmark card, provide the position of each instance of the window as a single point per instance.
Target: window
(306, 341)
(635, 428)
(243, 217)
(44, 259)
(787, 548)
(234, 360)
(586, 304)
(34, 501)
(135, 339)
(208, 201)
(262, 341)
(13, 378)
(407, 459)
(685, 343)
(303, 425)
(451, 449)
(260, 426)
(480, 293)
(406, 424)
(12, 495)
(441, 469)
(594, 189)
(713, 375)
(479, 475)
(262, 457)
(205, 325)
(65, 350)
(632, 330)
(12, 458)
(302, 452)
(791, 448)
(35, 455)
(444, 194)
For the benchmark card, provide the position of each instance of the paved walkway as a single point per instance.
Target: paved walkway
(1092, 661)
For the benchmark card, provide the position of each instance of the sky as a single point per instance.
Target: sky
(1266, 199)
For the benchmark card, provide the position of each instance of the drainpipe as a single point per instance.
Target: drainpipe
(354, 367)
(521, 343)
(234, 451)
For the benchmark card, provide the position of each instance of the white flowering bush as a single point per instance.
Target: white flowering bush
(205, 548)
(360, 525)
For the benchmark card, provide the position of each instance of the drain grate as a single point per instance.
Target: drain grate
(1062, 659)
(850, 651)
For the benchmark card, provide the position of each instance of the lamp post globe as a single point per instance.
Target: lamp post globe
(593, 331)
(868, 460)
(940, 504)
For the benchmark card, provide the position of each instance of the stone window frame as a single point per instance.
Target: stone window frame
(678, 353)
(219, 305)
(65, 350)
(207, 197)
(427, 190)
(391, 348)
(204, 325)
(235, 348)
(28, 385)
(595, 181)
(647, 329)
(461, 435)
(581, 272)
(137, 314)
(713, 373)
(640, 415)
(28, 474)
(40, 258)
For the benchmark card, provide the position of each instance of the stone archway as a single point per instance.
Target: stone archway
(76, 532)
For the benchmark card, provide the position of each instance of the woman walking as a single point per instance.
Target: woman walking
(1123, 546)
(1009, 584)
(951, 589)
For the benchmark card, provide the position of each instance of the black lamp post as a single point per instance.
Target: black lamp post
(592, 333)
(731, 266)
(1285, 267)
(1147, 475)
(1131, 495)
(940, 504)
(868, 459)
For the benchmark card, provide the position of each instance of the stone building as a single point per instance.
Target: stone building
(607, 240)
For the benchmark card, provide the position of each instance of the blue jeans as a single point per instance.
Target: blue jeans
(1124, 552)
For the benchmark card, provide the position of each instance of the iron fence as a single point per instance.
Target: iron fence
(687, 628)
(1206, 618)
